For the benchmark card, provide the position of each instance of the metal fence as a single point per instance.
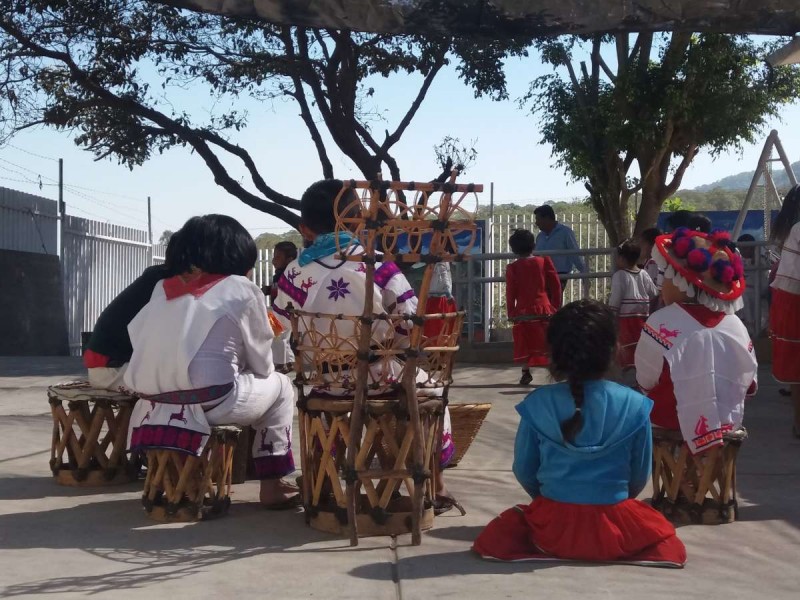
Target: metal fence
(598, 286)
(28, 223)
(100, 259)
(590, 235)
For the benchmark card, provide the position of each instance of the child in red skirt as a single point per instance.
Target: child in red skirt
(440, 301)
(583, 452)
(533, 293)
(632, 291)
(784, 313)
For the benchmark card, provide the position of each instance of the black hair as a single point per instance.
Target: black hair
(629, 251)
(746, 237)
(649, 235)
(788, 216)
(582, 337)
(546, 211)
(522, 242)
(171, 258)
(215, 244)
(317, 205)
(287, 248)
(692, 220)
(699, 222)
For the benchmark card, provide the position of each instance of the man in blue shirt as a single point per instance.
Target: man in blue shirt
(555, 236)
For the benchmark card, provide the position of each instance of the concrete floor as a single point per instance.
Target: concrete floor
(69, 543)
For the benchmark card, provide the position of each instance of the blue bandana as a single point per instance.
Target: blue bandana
(325, 245)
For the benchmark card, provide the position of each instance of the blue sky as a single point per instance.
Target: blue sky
(181, 186)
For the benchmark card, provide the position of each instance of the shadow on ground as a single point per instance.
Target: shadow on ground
(119, 531)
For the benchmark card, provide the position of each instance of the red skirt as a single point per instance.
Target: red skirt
(530, 342)
(629, 531)
(630, 329)
(784, 326)
(437, 305)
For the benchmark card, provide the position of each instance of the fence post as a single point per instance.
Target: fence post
(150, 234)
(470, 304)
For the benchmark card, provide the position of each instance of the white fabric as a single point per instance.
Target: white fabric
(221, 337)
(266, 404)
(157, 367)
(108, 378)
(711, 370)
(333, 286)
(442, 281)
(787, 277)
(631, 293)
(282, 349)
(651, 267)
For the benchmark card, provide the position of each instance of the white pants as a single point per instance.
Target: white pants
(282, 350)
(266, 404)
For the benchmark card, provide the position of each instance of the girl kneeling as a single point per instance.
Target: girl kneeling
(583, 452)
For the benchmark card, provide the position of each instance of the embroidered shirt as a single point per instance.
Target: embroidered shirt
(631, 293)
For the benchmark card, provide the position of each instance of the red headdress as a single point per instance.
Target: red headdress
(704, 266)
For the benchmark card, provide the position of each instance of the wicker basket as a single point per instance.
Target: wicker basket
(466, 421)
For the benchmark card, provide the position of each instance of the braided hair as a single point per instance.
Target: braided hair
(582, 339)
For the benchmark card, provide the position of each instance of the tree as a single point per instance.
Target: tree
(165, 235)
(655, 103)
(106, 70)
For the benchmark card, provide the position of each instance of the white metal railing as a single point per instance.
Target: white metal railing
(755, 313)
(589, 233)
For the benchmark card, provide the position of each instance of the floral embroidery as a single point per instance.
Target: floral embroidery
(338, 289)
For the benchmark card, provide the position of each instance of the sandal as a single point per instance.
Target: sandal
(796, 431)
(442, 504)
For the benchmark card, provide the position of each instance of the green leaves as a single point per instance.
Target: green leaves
(705, 91)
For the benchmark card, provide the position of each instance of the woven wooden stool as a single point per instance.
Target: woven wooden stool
(182, 488)
(698, 488)
(91, 427)
(382, 470)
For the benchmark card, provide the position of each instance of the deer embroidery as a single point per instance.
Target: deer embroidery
(178, 416)
(266, 446)
(667, 333)
(146, 417)
(292, 275)
(306, 285)
(702, 426)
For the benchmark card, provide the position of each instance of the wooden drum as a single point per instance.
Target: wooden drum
(90, 427)
(699, 488)
(183, 487)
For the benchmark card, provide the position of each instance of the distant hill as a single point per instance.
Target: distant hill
(741, 181)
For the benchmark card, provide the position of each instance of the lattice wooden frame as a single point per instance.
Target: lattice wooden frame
(92, 432)
(326, 352)
(183, 487)
(382, 211)
(698, 488)
(376, 216)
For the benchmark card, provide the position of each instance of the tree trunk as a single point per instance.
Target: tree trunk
(649, 208)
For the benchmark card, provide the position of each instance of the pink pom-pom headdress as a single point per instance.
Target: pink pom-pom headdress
(704, 261)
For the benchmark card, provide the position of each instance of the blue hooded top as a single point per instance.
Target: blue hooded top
(610, 459)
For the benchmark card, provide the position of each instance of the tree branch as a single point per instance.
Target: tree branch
(196, 138)
(673, 185)
(392, 139)
(305, 112)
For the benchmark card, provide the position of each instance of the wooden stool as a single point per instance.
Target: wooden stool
(93, 431)
(698, 488)
(182, 488)
(383, 466)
